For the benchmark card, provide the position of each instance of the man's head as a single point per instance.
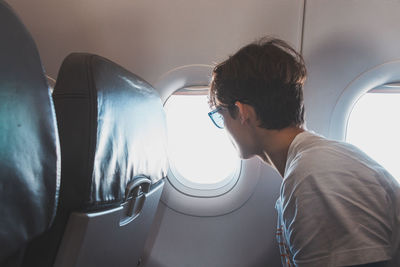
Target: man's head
(267, 75)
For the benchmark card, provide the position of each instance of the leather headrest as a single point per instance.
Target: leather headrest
(29, 149)
(112, 128)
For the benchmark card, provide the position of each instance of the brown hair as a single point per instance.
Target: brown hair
(268, 75)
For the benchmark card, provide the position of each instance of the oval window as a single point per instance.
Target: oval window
(201, 155)
(374, 127)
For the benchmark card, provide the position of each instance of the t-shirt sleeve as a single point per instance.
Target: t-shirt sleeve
(328, 224)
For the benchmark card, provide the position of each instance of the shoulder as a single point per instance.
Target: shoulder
(333, 197)
(312, 154)
(312, 160)
(316, 164)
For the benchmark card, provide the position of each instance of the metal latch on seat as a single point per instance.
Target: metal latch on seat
(135, 196)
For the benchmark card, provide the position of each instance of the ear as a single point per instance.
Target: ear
(246, 112)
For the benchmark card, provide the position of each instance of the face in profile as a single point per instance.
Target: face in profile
(238, 132)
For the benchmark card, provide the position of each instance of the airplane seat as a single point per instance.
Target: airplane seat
(29, 147)
(113, 145)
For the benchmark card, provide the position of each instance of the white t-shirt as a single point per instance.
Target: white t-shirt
(337, 206)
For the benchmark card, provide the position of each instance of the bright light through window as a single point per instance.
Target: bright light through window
(198, 151)
(374, 127)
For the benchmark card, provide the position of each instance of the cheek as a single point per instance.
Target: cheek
(230, 134)
(232, 140)
(238, 145)
(243, 143)
(237, 136)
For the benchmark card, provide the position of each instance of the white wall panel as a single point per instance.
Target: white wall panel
(150, 37)
(245, 237)
(342, 40)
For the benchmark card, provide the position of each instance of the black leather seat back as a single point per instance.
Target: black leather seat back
(112, 129)
(29, 148)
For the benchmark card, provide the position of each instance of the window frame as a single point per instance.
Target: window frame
(190, 188)
(389, 88)
(376, 77)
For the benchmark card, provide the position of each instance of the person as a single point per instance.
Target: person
(337, 206)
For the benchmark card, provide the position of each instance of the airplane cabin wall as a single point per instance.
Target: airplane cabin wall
(342, 39)
(244, 237)
(152, 37)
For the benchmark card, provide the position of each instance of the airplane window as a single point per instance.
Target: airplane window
(374, 127)
(200, 154)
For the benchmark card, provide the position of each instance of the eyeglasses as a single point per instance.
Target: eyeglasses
(217, 118)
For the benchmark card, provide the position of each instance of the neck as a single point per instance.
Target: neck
(275, 146)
